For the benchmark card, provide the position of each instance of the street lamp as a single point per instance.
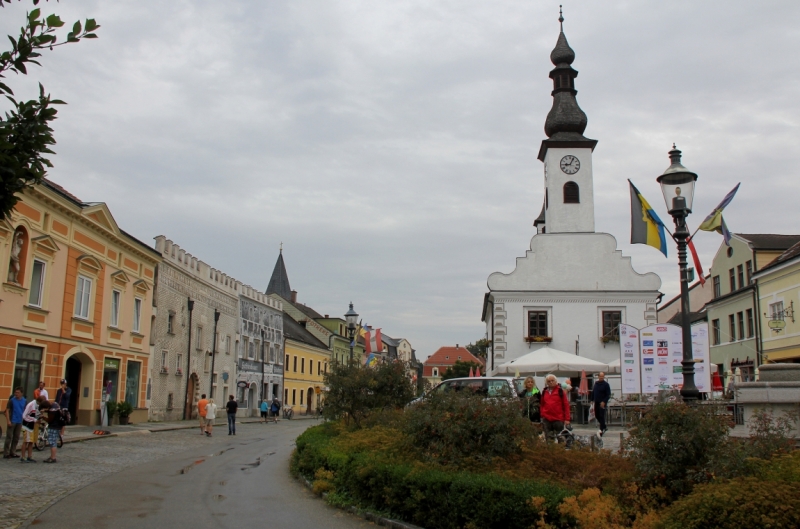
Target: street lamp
(677, 185)
(351, 317)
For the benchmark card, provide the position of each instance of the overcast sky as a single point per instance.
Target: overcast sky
(391, 146)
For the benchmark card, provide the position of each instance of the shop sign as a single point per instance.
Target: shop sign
(249, 365)
(111, 364)
(278, 370)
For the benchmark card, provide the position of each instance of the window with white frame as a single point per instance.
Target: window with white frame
(115, 297)
(198, 337)
(171, 323)
(776, 310)
(82, 297)
(164, 365)
(37, 283)
(137, 314)
(178, 363)
(227, 345)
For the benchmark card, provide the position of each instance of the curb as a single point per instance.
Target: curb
(144, 431)
(367, 515)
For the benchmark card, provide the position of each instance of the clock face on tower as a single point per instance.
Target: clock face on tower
(570, 164)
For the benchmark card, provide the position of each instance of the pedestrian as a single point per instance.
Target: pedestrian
(201, 412)
(30, 429)
(41, 392)
(601, 394)
(63, 396)
(231, 406)
(264, 411)
(14, 411)
(211, 416)
(531, 398)
(55, 421)
(554, 408)
(275, 409)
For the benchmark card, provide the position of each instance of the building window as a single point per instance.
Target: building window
(748, 266)
(137, 314)
(740, 275)
(740, 316)
(227, 345)
(132, 383)
(294, 367)
(572, 194)
(171, 323)
(776, 310)
(82, 297)
(611, 322)
(170, 400)
(319, 368)
(325, 366)
(302, 370)
(28, 369)
(732, 276)
(285, 397)
(178, 363)
(198, 338)
(715, 330)
(207, 363)
(717, 288)
(287, 360)
(750, 327)
(37, 283)
(436, 371)
(731, 328)
(301, 397)
(537, 323)
(259, 351)
(164, 360)
(294, 397)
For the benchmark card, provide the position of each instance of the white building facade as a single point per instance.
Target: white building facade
(573, 287)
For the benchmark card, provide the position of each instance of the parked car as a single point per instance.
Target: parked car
(496, 387)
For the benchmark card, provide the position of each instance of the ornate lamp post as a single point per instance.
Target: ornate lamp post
(677, 185)
(351, 317)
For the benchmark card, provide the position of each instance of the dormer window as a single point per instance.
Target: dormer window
(572, 193)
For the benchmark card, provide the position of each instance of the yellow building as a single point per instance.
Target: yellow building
(306, 363)
(76, 303)
(778, 287)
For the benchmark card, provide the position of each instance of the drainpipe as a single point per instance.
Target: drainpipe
(186, 409)
(757, 317)
(492, 302)
(213, 356)
(263, 362)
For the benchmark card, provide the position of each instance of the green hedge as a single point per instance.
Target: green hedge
(433, 498)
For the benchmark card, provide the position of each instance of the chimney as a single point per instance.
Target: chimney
(456, 346)
(326, 316)
(294, 296)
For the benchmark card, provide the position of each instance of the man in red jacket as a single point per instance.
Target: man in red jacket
(554, 408)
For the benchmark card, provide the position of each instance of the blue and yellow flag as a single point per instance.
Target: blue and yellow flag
(715, 222)
(646, 227)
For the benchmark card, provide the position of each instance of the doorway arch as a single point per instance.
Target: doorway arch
(252, 400)
(79, 371)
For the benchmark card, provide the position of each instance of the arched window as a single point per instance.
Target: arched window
(572, 194)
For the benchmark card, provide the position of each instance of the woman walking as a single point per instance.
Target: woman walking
(211, 416)
(531, 399)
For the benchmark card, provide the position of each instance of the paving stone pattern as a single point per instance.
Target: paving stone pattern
(28, 488)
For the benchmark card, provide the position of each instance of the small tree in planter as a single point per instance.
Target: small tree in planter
(124, 409)
(111, 410)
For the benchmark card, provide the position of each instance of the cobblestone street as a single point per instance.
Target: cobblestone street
(26, 489)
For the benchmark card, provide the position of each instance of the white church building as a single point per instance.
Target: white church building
(573, 287)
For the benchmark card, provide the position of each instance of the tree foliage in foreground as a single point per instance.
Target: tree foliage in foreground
(354, 391)
(25, 132)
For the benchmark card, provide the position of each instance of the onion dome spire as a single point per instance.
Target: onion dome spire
(566, 121)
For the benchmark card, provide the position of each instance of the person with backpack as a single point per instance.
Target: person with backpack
(275, 409)
(55, 422)
(62, 398)
(554, 408)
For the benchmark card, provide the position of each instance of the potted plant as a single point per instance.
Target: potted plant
(111, 410)
(538, 339)
(124, 409)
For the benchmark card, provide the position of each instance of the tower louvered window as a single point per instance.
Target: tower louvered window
(572, 194)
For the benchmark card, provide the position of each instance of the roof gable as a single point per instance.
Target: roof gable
(450, 355)
(100, 215)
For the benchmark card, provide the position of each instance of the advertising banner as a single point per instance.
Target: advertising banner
(630, 359)
(661, 357)
(702, 366)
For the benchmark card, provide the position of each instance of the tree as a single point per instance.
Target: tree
(479, 348)
(354, 391)
(25, 132)
(459, 369)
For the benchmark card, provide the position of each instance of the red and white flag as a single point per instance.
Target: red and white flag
(373, 341)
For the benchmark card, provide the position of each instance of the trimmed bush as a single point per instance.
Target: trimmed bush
(456, 429)
(736, 504)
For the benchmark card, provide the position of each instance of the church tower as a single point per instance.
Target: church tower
(567, 153)
(279, 282)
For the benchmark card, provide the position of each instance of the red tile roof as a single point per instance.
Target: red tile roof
(447, 356)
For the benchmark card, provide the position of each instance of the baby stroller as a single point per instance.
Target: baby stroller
(572, 440)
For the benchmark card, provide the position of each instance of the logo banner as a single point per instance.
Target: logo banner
(629, 361)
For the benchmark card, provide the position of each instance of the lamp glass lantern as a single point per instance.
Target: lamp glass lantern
(677, 185)
(351, 317)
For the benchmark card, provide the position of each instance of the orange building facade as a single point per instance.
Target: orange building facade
(76, 303)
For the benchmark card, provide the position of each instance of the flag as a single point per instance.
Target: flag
(373, 341)
(371, 361)
(715, 222)
(471, 373)
(646, 227)
(696, 262)
(478, 371)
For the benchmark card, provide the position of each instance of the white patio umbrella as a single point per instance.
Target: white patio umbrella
(547, 360)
